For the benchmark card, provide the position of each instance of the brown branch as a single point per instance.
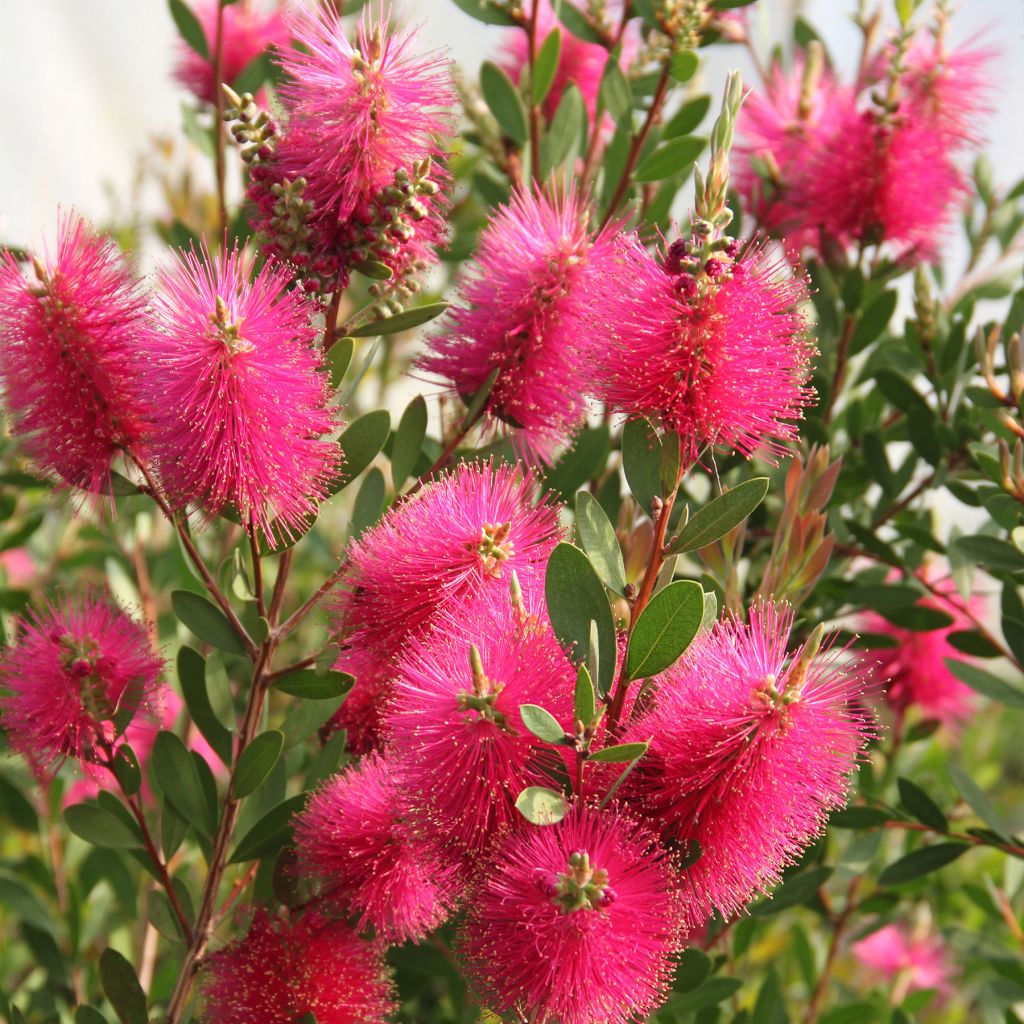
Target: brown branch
(531, 36)
(839, 926)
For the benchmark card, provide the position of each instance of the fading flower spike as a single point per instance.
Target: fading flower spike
(69, 356)
(239, 407)
(74, 667)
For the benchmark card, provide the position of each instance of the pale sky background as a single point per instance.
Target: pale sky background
(84, 84)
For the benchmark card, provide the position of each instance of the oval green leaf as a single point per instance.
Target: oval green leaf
(360, 442)
(121, 986)
(256, 763)
(206, 621)
(96, 826)
(192, 677)
(408, 443)
(504, 101)
(665, 629)
(922, 862)
(672, 157)
(621, 753)
(311, 685)
(541, 806)
(178, 779)
(597, 535)
(721, 514)
(541, 723)
(404, 321)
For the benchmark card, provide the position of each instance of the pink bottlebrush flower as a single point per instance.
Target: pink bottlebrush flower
(19, 566)
(580, 63)
(537, 302)
(248, 32)
(575, 922)
(748, 755)
(363, 135)
(355, 839)
(782, 131)
(69, 357)
(464, 755)
(280, 970)
(726, 367)
(462, 535)
(914, 673)
(909, 962)
(239, 407)
(360, 713)
(72, 667)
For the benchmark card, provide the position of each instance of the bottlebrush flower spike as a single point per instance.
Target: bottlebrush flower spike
(239, 407)
(910, 963)
(281, 971)
(248, 31)
(360, 712)
(538, 301)
(355, 839)
(355, 175)
(575, 922)
(749, 753)
(73, 666)
(69, 356)
(718, 352)
(914, 672)
(580, 63)
(462, 535)
(464, 755)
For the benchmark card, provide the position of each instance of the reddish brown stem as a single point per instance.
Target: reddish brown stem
(839, 926)
(531, 34)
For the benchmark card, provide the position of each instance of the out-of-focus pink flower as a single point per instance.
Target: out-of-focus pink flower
(279, 971)
(538, 301)
(575, 922)
(69, 358)
(463, 753)
(580, 63)
(726, 366)
(356, 840)
(365, 124)
(462, 535)
(910, 962)
(239, 407)
(914, 673)
(72, 667)
(780, 131)
(19, 566)
(248, 32)
(751, 748)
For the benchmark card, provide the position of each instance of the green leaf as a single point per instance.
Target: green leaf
(95, 825)
(577, 22)
(721, 514)
(713, 991)
(127, 770)
(256, 763)
(873, 321)
(687, 118)
(990, 551)
(178, 779)
(408, 443)
(665, 628)
(122, 988)
(670, 158)
(270, 833)
(374, 270)
(641, 461)
(339, 359)
(487, 11)
(369, 503)
(794, 890)
(545, 67)
(584, 699)
(860, 817)
(978, 801)
(986, 684)
(206, 621)
(565, 131)
(616, 94)
(311, 685)
(541, 723)
(504, 101)
(189, 27)
(360, 442)
(684, 65)
(694, 967)
(86, 1014)
(192, 677)
(582, 462)
(900, 392)
(161, 915)
(921, 862)
(575, 597)
(621, 753)
(597, 535)
(541, 806)
(921, 805)
(404, 321)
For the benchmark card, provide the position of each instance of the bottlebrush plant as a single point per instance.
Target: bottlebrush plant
(659, 660)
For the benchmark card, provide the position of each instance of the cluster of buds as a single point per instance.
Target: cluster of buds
(801, 548)
(580, 887)
(1012, 402)
(711, 193)
(483, 699)
(682, 22)
(701, 262)
(250, 126)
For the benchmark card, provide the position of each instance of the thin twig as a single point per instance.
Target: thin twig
(531, 35)
(817, 1001)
